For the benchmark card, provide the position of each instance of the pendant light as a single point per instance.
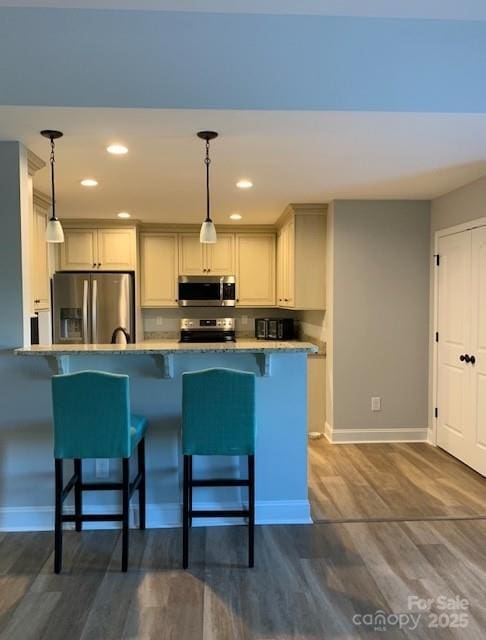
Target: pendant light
(207, 234)
(54, 232)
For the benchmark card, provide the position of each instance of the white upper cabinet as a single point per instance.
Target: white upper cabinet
(158, 269)
(220, 257)
(197, 259)
(301, 260)
(192, 256)
(255, 269)
(116, 249)
(79, 251)
(106, 249)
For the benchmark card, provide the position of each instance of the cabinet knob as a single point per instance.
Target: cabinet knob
(286, 300)
(473, 359)
(465, 358)
(94, 265)
(37, 301)
(99, 265)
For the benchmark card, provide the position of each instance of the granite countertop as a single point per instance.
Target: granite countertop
(170, 347)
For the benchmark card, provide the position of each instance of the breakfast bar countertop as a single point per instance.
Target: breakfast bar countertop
(171, 347)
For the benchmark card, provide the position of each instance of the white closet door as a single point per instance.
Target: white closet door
(478, 350)
(454, 376)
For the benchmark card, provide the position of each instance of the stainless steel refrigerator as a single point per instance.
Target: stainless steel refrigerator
(93, 307)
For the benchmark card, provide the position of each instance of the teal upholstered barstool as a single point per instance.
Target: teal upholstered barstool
(92, 420)
(218, 419)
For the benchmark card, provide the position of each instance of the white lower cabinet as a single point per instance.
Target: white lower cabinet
(158, 273)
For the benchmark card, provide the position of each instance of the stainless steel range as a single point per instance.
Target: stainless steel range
(208, 330)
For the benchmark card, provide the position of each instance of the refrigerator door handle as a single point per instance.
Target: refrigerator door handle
(94, 304)
(85, 311)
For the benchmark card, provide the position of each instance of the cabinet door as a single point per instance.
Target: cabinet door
(280, 266)
(220, 256)
(40, 269)
(192, 255)
(79, 251)
(289, 267)
(158, 275)
(255, 269)
(116, 249)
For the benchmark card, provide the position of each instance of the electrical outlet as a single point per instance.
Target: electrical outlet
(159, 321)
(102, 467)
(375, 404)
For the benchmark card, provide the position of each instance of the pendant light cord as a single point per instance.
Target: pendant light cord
(207, 161)
(53, 192)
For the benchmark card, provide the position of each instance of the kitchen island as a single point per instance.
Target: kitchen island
(155, 369)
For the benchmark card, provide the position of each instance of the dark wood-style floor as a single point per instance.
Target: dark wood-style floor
(309, 581)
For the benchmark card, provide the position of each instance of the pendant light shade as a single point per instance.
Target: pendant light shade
(54, 232)
(207, 234)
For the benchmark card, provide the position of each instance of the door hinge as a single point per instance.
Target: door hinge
(436, 412)
(437, 336)
(437, 259)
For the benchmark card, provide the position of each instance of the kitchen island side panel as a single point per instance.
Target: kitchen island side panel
(27, 474)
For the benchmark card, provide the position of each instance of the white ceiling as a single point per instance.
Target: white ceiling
(290, 156)
(439, 9)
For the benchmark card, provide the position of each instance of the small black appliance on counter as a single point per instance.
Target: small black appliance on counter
(274, 328)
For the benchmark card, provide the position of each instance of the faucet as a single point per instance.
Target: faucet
(124, 340)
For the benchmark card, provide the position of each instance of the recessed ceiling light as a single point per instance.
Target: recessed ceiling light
(89, 182)
(123, 214)
(117, 149)
(244, 184)
(235, 216)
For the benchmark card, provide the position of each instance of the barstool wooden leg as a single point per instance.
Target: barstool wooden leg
(190, 490)
(126, 502)
(58, 517)
(78, 504)
(251, 511)
(141, 487)
(185, 514)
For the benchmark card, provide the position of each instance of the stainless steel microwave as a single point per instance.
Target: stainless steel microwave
(207, 291)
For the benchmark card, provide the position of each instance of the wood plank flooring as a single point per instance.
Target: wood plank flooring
(309, 582)
(391, 481)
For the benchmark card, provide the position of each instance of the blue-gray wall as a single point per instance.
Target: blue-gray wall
(10, 242)
(380, 314)
(235, 61)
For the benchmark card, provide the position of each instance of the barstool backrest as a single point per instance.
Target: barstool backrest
(91, 415)
(218, 412)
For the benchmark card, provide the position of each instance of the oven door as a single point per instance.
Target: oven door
(200, 291)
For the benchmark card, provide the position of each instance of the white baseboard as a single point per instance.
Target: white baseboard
(350, 436)
(159, 516)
